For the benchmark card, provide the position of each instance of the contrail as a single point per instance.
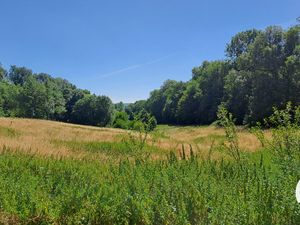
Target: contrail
(134, 66)
(119, 71)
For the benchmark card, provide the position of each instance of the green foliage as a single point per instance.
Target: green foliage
(65, 191)
(264, 75)
(162, 103)
(3, 73)
(285, 144)
(135, 108)
(226, 120)
(33, 99)
(9, 101)
(93, 110)
(200, 99)
(18, 75)
(144, 121)
(261, 71)
(188, 103)
(239, 44)
(55, 99)
(121, 120)
(120, 107)
(137, 190)
(25, 94)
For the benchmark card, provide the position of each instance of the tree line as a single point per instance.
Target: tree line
(261, 71)
(26, 94)
(41, 96)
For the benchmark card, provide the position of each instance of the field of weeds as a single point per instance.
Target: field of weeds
(55, 173)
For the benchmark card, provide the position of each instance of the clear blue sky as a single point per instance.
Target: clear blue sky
(125, 49)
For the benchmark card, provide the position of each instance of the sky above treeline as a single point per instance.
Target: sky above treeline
(125, 49)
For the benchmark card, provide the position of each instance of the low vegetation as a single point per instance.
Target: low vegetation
(185, 188)
(8, 132)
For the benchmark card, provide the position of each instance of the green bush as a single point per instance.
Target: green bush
(121, 120)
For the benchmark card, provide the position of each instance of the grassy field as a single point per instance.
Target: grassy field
(63, 139)
(57, 173)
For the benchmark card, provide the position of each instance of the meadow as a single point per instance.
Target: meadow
(58, 173)
(50, 138)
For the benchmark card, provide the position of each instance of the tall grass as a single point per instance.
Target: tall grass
(172, 191)
(253, 189)
(9, 132)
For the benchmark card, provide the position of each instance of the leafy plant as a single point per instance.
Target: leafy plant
(226, 120)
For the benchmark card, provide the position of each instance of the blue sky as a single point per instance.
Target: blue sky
(125, 49)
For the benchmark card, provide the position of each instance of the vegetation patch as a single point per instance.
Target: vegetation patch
(174, 191)
(246, 189)
(9, 132)
(112, 148)
(216, 138)
(156, 134)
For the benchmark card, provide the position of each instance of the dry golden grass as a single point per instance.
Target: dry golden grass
(38, 136)
(203, 138)
(8, 219)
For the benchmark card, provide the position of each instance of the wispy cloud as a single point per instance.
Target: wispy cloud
(119, 71)
(133, 67)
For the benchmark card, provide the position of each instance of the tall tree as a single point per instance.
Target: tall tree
(18, 75)
(3, 73)
(33, 99)
(93, 110)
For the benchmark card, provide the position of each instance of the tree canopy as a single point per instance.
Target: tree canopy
(25, 94)
(261, 71)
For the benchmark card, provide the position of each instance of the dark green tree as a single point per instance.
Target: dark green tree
(134, 108)
(3, 73)
(33, 99)
(121, 120)
(18, 75)
(93, 110)
(9, 104)
(120, 106)
(145, 121)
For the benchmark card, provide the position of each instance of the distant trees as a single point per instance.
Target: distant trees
(93, 110)
(203, 94)
(120, 106)
(33, 99)
(264, 75)
(25, 94)
(2, 73)
(262, 70)
(142, 121)
(135, 108)
(9, 101)
(18, 75)
(121, 120)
